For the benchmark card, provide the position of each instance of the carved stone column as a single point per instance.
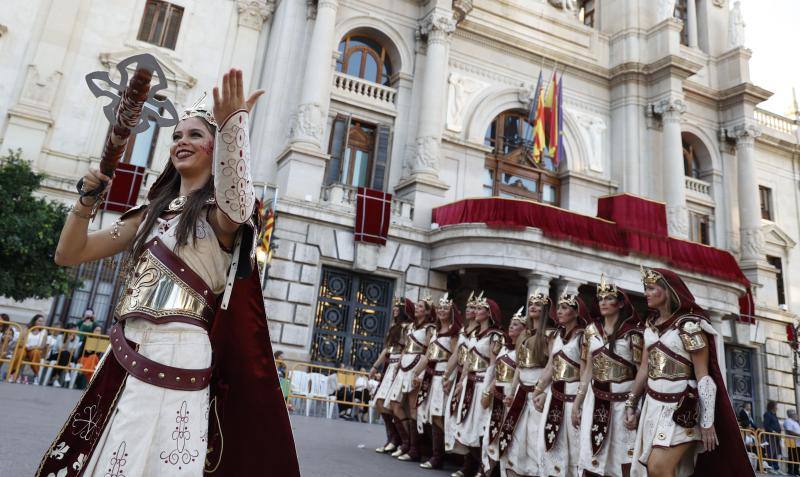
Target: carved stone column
(691, 22)
(752, 241)
(537, 280)
(421, 183)
(301, 166)
(674, 182)
(309, 120)
(253, 16)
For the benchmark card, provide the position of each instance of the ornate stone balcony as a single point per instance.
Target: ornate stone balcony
(698, 188)
(344, 196)
(775, 121)
(364, 93)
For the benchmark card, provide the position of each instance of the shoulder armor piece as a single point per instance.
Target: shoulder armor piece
(132, 211)
(590, 331)
(692, 335)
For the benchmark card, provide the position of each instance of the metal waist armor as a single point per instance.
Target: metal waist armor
(163, 289)
(504, 372)
(395, 348)
(462, 354)
(565, 371)
(437, 352)
(606, 368)
(525, 358)
(412, 347)
(660, 365)
(476, 362)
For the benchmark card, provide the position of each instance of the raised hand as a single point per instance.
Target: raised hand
(229, 97)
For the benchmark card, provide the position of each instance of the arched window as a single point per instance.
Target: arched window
(510, 168)
(363, 57)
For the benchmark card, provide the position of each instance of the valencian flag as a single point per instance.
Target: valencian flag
(538, 126)
(266, 215)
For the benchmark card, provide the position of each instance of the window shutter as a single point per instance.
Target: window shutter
(341, 125)
(382, 137)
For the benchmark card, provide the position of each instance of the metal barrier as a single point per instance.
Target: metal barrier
(74, 352)
(778, 449)
(329, 386)
(10, 343)
(751, 445)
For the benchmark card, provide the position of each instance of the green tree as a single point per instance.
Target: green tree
(29, 231)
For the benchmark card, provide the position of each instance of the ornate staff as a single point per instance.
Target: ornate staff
(127, 112)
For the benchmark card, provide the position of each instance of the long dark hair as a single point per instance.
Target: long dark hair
(32, 323)
(395, 333)
(538, 345)
(164, 190)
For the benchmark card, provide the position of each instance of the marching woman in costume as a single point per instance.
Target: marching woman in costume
(613, 349)
(402, 312)
(455, 369)
(403, 394)
(505, 367)
(432, 400)
(558, 436)
(474, 413)
(687, 425)
(517, 443)
(147, 410)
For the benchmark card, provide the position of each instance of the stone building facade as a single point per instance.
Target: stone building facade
(427, 100)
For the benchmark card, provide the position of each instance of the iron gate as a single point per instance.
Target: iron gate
(739, 361)
(352, 318)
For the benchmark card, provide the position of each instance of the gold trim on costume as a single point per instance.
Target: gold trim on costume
(692, 336)
(437, 352)
(412, 347)
(564, 370)
(607, 369)
(462, 354)
(660, 365)
(504, 372)
(637, 345)
(476, 362)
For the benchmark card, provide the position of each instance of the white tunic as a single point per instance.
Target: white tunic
(465, 341)
(490, 450)
(159, 431)
(476, 420)
(656, 427)
(617, 448)
(404, 380)
(563, 458)
(435, 403)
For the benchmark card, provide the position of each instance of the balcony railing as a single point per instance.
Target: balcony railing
(344, 196)
(697, 186)
(775, 121)
(364, 91)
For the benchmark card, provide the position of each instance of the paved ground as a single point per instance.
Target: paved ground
(31, 415)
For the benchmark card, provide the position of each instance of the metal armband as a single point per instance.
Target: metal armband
(692, 336)
(233, 182)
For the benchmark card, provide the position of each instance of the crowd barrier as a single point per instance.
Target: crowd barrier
(73, 355)
(777, 451)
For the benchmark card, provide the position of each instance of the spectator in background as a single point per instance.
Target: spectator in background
(33, 351)
(8, 342)
(771, 424)
(278, 355)
(66, 351)
(792, 428)
(746, 417)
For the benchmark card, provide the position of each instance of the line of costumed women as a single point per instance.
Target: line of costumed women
(157, 404)
(517, 441)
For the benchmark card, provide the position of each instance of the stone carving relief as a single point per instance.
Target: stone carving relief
(426, 154)
(39, 92)
(307, 123)
(254, 13)
(460, 92)
(437, 26)
(678, 220)
(736, 26)
(567, 5)
(593, 129)
(752, 242)
(719, 3)
(666, 9)
(461, 9)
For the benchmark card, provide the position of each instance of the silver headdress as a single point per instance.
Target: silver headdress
(520, 316)
(200, 110)
(445, 302)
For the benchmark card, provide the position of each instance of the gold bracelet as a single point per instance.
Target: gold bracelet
(80, 214)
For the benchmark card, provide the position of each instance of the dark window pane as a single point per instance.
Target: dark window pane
(370, 69)
(354, 63)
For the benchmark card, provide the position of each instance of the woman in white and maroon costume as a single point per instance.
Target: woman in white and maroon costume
(403, 394)
(155, 406)
(473, 413)
(612, 350)
(559, 448)
(432, 399)
(517, 442)
(505, 367)
(687, 425)
(402, 314)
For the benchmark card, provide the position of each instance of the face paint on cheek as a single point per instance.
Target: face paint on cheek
(208, 148)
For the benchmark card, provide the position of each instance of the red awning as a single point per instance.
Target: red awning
(625, 224)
